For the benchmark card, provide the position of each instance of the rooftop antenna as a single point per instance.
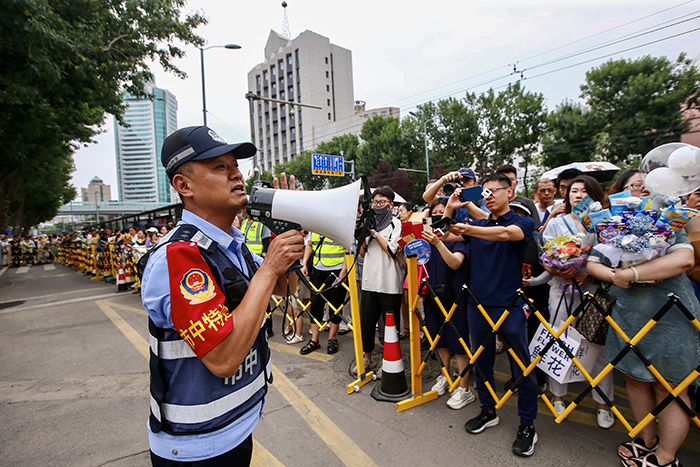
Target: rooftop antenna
(285, 23)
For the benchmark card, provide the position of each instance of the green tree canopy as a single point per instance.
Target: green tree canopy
(66, 63)
(640, 103)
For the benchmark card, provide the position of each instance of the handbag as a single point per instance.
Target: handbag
(592, 324)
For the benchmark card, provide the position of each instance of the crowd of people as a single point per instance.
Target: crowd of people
(20, 250)
(206, 289)
(496, 234)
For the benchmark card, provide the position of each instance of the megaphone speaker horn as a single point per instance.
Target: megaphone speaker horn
(330, 213)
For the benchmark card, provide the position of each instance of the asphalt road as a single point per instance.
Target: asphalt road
(74, 391)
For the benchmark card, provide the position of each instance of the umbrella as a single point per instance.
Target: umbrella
(601, 171)
(397, 197)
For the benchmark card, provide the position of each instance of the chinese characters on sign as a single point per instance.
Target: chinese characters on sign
(326, 164)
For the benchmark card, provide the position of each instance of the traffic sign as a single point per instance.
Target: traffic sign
(326, 164)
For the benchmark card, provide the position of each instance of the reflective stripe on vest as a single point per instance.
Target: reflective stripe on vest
(188, 414)
(253, 235)
(330, 254)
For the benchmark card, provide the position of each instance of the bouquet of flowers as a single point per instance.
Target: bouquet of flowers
(640, 228)
(566, 251)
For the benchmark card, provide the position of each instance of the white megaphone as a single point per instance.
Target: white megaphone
(330, 213)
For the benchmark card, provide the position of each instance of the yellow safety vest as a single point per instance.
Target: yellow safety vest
(329, 254)
(253, 235)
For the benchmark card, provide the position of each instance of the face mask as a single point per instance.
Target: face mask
(382, 217)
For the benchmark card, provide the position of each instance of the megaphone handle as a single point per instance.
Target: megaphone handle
(295, 267)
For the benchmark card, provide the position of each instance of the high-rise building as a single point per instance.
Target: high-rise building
(140, 175)
(309, 70)
(96, 191)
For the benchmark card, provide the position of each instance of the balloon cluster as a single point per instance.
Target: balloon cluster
(672, 169)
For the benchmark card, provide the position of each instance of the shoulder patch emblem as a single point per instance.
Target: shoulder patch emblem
(197, 287)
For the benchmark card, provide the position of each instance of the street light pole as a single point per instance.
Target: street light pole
(425, 138)
(201, 60)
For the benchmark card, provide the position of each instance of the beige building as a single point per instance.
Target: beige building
(96, 191)
(307, 69)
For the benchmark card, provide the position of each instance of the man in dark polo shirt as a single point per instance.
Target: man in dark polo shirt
(498, 246)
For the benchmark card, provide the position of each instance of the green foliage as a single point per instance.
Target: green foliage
(631, 107)
(640, 103)
(571, 135)
(265, 175)
(66, 63)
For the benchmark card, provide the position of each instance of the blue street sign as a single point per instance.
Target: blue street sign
(326, 164)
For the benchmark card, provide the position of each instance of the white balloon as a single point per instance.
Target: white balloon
(663, 181)
(685, 160)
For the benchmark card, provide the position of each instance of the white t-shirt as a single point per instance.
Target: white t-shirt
(380, 272)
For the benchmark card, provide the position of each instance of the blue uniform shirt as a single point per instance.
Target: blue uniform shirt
(499, 263)
(155, 295)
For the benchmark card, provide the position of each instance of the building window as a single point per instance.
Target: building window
(280, 65)
(328, 102)
(326, 73)
(289, 61)
(328, 87)
(326, 60)
(272, 70)
(329, 115)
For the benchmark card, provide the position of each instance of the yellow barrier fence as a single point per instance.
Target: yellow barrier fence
(418, 364)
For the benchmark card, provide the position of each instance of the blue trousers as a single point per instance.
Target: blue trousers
(514, 330)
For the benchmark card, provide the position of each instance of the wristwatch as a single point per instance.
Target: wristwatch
(374, 235)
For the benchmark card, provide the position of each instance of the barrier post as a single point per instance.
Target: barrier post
(417, 397)
(362, 377)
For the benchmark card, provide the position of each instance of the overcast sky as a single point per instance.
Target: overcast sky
(409, 52)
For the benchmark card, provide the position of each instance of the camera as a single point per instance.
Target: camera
(450, 188)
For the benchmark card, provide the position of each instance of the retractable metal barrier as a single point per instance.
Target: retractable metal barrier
(418, 364)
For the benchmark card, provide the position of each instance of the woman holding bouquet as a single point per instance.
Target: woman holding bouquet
(672, 346)
(564, 295)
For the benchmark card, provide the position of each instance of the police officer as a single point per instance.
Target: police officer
(257, 236)
(206, 296)
(328, 264)
(257, 239)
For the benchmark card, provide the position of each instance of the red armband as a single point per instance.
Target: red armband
(196, 300)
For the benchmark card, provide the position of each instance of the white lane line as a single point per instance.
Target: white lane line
(51, 304)
(22, 270)
(49, 267)
(95, 289)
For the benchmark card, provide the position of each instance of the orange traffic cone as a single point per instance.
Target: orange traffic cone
(393, 387)
(121, 280)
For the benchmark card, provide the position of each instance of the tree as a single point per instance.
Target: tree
(385, 139)
(300, 167)
(265, 175)
(571, 135)
(64, 64)
(641, 103)
(398, 180)
(452, 127)
(510, 123)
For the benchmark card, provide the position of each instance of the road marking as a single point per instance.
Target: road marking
(50, 304)
(134, 337)
(2, 271)
(130, 309)
(337, 441)
(295, 351)
(22, 270)
(111, 287)
(261, 456)
(49, 267)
